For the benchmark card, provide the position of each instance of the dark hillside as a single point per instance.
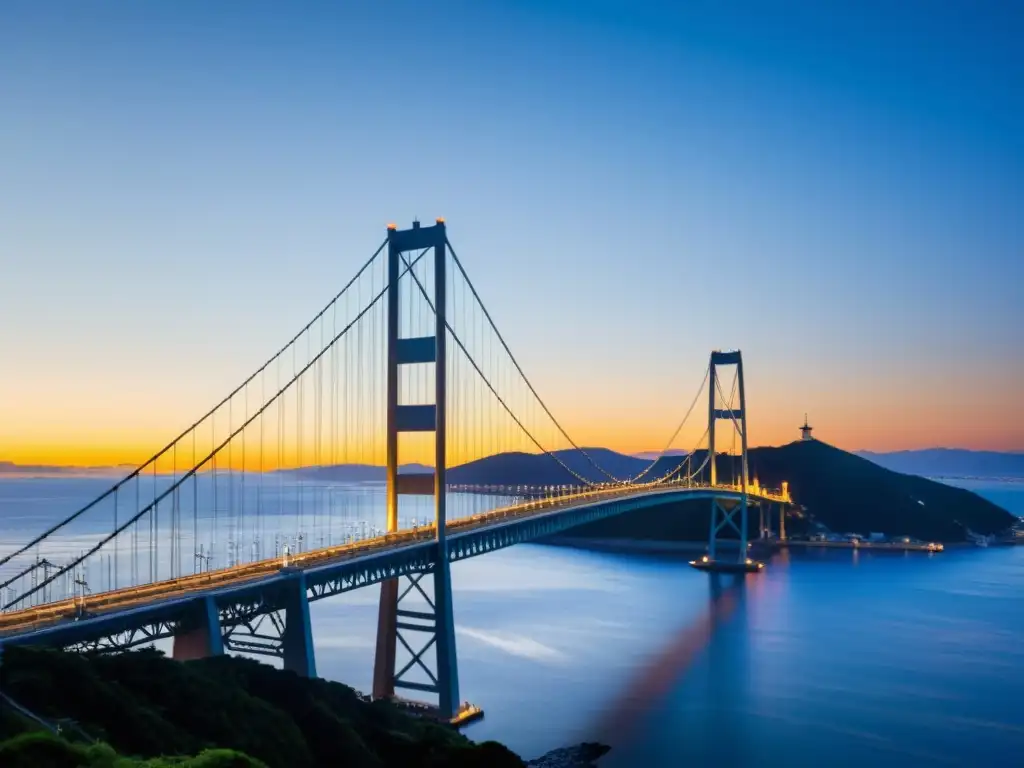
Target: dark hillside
(511, 469)
(541, 469)
(851, 494)
(143, 704)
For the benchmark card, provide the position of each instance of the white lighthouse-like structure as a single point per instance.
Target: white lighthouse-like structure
(805, 430)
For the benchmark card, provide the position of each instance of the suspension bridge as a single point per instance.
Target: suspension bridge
(224, 536)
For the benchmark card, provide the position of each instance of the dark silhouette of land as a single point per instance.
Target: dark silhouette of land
(144, 705)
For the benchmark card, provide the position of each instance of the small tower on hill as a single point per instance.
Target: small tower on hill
(805, 430)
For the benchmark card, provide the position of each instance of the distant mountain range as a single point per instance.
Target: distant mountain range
(355, 473)
(950, 462)
(541, 469)
(509, 468)
(512, 468)
(10, 469)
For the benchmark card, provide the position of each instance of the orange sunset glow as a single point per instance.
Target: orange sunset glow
(81, 432)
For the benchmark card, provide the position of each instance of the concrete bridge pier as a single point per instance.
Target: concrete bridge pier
(297, 639)
(200, 634)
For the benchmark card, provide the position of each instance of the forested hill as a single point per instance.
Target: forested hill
(145, 705)
(541, 469)
(851, 494)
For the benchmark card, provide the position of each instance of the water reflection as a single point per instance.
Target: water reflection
(725, 678)
(654, 720)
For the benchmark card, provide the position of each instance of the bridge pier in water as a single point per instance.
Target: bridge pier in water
(199, 635)
(769, 528)
(297, 637)
(202, 631)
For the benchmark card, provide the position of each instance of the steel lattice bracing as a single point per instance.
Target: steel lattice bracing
(140, 635)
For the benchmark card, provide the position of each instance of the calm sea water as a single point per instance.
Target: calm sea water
(831, 658)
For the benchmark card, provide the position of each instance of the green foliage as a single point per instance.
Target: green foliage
(41, 749)
(212, 758)
(162, 711)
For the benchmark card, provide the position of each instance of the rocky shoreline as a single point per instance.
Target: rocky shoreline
(580, 756)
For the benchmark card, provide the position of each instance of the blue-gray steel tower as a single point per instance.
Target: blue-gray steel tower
(396, 623)
(722, 517)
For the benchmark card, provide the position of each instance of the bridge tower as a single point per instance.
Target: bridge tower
(398, 624)
(725, 512)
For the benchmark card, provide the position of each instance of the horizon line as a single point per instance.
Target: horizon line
(12, 468)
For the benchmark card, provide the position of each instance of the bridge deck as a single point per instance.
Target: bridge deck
(29, 620)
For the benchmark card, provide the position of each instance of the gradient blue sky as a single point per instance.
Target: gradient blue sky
(835, 188)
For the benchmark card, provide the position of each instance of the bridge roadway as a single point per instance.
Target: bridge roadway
(242, 592)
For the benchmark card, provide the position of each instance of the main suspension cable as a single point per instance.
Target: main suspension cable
(486, 381)
(675, 434)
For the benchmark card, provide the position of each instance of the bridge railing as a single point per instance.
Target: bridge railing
(530, 493)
